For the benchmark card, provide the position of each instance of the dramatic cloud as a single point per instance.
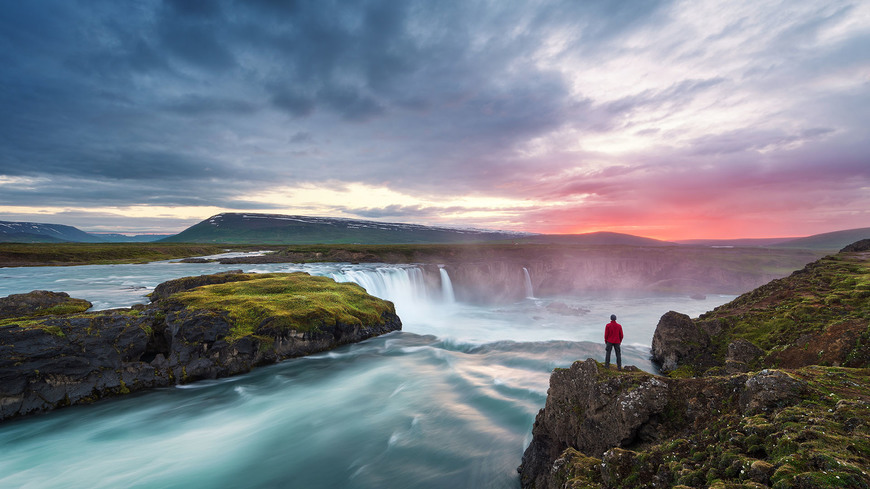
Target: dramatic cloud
(669, 119)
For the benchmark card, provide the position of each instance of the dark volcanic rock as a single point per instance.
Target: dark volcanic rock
(677, 339)
(37, 303)
(597, 423)
(54, 361)
(768, 390)
(69, 360)
(742, 355)
(166, 289)
(858, 246)
(592, 416)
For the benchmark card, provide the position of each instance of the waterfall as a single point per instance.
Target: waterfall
(529, 292)
(397, 284)
(416, 299)
(446, 287)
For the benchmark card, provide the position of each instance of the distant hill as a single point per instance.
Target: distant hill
(123, 238)
(248, 228)
(827, 241)
(599, 238)
(741, 243)
(34, 232)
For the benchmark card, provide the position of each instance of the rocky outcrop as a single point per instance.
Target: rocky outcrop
(603, 429)
(721, 419)
(677, 339)
(40, 302)
(816, 316)
(49, 360)
(166, 289)
(858, 246)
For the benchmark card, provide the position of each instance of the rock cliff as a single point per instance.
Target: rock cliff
(819, 315)
(805, 428)
(777, 405)
(50, 360)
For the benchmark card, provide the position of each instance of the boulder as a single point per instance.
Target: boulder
(166, 289)
(741, 356)
(40, 303)
(677, 340)
(770, 389)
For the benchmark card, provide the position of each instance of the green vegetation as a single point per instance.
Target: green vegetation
(811, 312)
(40, 254)
(294, 301)
(824, 441)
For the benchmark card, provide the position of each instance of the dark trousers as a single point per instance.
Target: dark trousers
(614, 346)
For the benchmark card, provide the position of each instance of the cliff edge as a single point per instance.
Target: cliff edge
(769, 391)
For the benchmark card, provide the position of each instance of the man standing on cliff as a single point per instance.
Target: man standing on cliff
(613, 338)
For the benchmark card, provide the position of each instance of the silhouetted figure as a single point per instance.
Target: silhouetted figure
(613, 338)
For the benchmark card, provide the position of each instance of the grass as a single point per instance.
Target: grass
(831, 293)
(42, 254)
(294, 301)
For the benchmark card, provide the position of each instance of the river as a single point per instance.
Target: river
(447, 402)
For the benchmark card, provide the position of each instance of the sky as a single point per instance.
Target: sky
(665, 119)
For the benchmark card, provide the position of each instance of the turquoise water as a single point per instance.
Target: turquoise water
(447, 402)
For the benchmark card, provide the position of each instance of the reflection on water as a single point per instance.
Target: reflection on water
(447, 402)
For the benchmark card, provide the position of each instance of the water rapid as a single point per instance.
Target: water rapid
(447, 402)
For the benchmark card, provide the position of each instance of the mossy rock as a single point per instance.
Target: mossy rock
(255, 303)
(819, 315)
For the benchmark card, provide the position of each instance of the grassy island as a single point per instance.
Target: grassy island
(286, 301)
(54, 353)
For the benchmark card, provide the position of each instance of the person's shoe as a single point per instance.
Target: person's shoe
(607, 366)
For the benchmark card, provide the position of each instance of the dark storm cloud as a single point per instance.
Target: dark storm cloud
(191, 103)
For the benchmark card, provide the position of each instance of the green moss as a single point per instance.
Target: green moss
(827, 293)
(824, 441)
(73, 306)
(34, 323)
(682, 372)
(294, 301)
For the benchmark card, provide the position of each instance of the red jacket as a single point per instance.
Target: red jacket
(613, 332)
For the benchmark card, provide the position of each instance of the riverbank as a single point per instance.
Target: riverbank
(70, 254)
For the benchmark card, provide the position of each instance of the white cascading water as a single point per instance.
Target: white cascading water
(530, 293)
(403, 286)
(399, 285)
(446, 287)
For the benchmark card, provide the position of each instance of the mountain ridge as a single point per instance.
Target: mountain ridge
(245, 228)
(359, 231)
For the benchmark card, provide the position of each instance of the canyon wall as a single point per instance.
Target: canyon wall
(498, 275)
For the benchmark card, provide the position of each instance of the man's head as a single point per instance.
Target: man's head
(613, 317)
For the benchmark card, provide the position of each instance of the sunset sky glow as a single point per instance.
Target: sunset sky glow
(665, 119)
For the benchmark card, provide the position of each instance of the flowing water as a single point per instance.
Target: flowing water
(447, 402)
